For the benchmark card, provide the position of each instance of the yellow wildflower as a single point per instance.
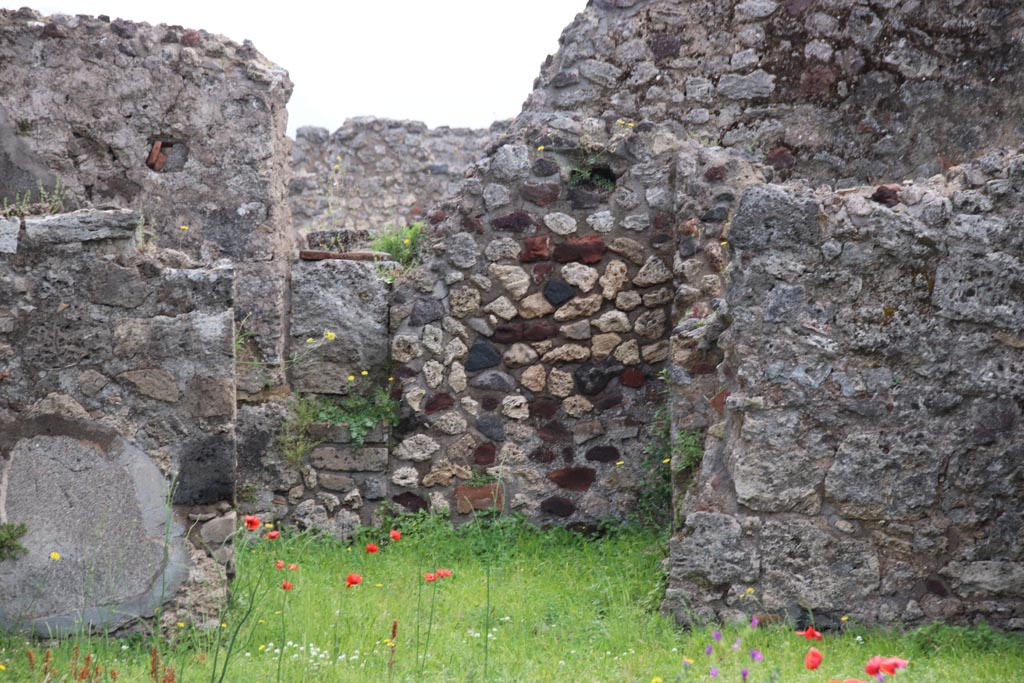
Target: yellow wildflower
(351, 378)
(620, 122)
(309, 340)
(656, 679)
(336, 167)
(666, 461)
(180, 624)
(687, 661)
(3, 668)
(391, 379)
(223, 625)
(750, 591)
(184, 227)
(262, 647)
(269, 525)
(621, 462)
(406, 241)
(330, 336)
(364, 373)
(379, 585)
(540, 148)
(724, 243)
(261, 621)
(845, 617)
(54, 555)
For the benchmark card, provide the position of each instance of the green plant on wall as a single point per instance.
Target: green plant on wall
(592, 173)
(294, 441)
(402, 243)
(366, 407)
(10, 537)
(44, 203)
(362, 411)
(667, 452)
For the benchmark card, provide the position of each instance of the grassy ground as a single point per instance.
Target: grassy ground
(559, 608)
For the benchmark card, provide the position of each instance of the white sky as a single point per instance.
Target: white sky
(443, 62)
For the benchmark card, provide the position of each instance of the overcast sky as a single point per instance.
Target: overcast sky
(444, 62)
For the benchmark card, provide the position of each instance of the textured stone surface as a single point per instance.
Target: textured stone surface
(104, 484)
(349, 300)
(839, 415)
(390, 172)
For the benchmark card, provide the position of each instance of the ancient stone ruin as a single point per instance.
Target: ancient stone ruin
(787, 231)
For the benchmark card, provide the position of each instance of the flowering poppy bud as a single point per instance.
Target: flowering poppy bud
(813, 659)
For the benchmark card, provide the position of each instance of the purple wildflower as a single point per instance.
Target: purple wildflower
(714, 672)
(754, 622)
(708, 650)
(756, 655)
(717, 635)
(736, 646)
(744, 673)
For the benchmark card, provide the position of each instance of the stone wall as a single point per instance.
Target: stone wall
(869, 463)
(531, 350)
(117, 329)
(373, 173)
(117, 371)
(181, 125)
(851, 358)
(824, 89)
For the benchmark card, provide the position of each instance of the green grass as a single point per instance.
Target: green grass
(560, 608)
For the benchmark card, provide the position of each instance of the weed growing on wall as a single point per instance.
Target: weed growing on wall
(10, 537)
(668, 452)
(402, 243)
(44, 203)
(294, 441)
(366, 407)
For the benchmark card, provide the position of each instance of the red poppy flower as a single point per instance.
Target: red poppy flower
(252, 522)
(886, 665)
(353, 580)
(287, 585)
(396, 535)
(430, 577)
(293, 567)
(890, 664)
(371, 547)
(809, 633)
(272, 534)
(279, 564)
(442, 573)
(813, 659)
